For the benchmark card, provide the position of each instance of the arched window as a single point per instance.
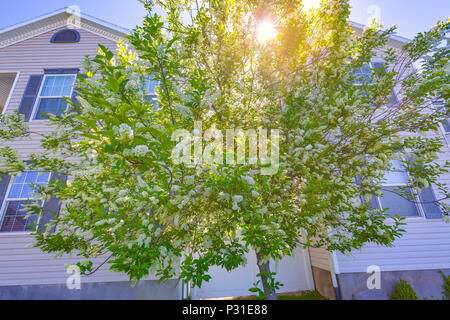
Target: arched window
(66, 36)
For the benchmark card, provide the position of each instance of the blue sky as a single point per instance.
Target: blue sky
(411, 16)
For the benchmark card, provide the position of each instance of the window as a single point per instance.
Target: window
(150, 88)
(51, 99)
(65, 36)
(394, 203)
(362, 76)
(19, 192)
(421, 203)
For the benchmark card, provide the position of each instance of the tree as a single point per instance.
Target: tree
(136, 196)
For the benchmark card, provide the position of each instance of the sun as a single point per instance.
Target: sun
(310, 4)
(266, 31)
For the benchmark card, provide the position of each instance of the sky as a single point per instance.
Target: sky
(410, 16)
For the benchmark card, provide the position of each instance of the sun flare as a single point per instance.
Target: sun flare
(266, 31)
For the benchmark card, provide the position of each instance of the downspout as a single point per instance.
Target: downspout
(185, 286)
(185, 290)
(337, 289)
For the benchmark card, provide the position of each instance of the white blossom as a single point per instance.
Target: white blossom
(125, 130)
(249, 180)
(140, 150)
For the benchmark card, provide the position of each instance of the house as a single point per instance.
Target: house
(38, 63)
(416, 257)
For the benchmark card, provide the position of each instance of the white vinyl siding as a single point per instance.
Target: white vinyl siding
(19, 263)
(424, 245)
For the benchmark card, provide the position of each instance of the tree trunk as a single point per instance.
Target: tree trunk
(264, 270)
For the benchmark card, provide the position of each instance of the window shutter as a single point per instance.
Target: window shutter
(4, 183)
(446, 126)
(74, 96)
(430, 208)
(373, 201)
(52, 206)
(29, 96)
(74, 100)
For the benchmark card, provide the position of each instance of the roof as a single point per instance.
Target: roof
(394, 40)
(59, 18)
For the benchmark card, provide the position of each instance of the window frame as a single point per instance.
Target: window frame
(39, 97)
(421, 214)
(6, 199)
(418, 206)
(371, 66)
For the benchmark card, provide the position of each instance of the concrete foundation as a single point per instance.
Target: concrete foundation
(426, 283)
(143, 290)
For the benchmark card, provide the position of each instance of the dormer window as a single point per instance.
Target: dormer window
(66, 36)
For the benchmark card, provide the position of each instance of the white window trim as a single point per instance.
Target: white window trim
(6, 200)
(39, 97)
